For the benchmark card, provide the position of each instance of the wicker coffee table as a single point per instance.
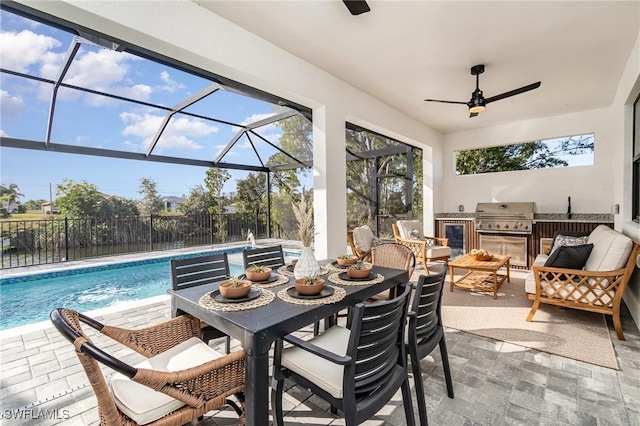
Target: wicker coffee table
(483, 274)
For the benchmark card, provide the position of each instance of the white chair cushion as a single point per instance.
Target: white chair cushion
(410, 229)
(363, 237)
(611, 250)
(320, 371)
(144, 405)
(438, 251)
(530, 282)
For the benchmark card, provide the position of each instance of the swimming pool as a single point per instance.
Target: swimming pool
(28, 299)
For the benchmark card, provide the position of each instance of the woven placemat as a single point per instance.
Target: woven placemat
(282, 279)
(284, 271)
(338, 295)
(334, 278)
(265, 298)
(333, 268)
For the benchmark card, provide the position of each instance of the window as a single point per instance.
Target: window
(635, 198)
(543, 154)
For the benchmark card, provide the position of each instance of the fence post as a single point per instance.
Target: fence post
(66, 238)
(151, 232)
(211, 227)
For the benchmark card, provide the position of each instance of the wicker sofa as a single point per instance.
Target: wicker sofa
(608, 260)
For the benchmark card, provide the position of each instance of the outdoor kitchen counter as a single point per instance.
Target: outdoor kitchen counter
(541, 217)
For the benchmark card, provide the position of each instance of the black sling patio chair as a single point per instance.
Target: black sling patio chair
(425, 331)
(356, 370)
(195, 271)
(272, 256)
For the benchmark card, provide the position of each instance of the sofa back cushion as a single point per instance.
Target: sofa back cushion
(410, 229)
(611, 249)
(363, 237)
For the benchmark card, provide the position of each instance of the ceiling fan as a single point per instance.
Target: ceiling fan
(478, 102)
(356, 7)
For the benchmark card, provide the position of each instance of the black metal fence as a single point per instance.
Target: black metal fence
(36, 242)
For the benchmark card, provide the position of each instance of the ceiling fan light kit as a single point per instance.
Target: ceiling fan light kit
(357, 7)
(478, 102)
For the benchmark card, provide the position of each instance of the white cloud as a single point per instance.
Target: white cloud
(178, 134)
(10, 106)
(3, 133)
(171, 85)
(19, 51)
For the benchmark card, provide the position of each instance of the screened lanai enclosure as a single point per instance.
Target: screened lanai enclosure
(72, 91)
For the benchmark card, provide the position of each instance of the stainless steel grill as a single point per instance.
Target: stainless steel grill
(505, 218)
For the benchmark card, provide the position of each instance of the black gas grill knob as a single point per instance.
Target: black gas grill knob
(497, 226)
(506, 227)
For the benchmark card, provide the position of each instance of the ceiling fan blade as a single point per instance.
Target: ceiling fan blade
(356, 7)
(513, 92)
(445, 102)
(473, 114)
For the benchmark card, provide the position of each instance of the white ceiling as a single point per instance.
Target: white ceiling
(403, 52)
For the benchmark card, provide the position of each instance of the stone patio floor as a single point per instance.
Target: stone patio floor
(42, 382)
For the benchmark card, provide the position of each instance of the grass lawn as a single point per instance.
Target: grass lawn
(26, 216)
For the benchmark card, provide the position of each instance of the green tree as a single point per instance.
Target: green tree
(214, 183)
(199, 201)
(117, 207)
(521, 156)
(10, 193)
(77, 200)
(250, 194)
(151, 202)
(297, 141)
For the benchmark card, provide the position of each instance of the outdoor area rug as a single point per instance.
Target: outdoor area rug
(570, 333)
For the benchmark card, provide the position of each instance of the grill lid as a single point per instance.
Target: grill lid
(505, 210)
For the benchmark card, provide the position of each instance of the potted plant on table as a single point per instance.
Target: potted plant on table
(258, 273)
(359, 270)
(347, 259)
(235, 287)
(309, 286)
(307, 264)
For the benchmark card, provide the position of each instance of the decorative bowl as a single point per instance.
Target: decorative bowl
(347, 261)
(309, 289)
(227, 290)
(258, 276)
(483, 257)
(359, 273)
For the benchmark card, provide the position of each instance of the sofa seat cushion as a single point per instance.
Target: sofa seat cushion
(410, 229)
(530, 282)
(611, 249)
(145, 405)
(322, 372)
(438, 251)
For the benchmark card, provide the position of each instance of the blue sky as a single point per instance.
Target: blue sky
(96, 121)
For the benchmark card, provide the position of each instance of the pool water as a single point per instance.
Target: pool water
(29, 299)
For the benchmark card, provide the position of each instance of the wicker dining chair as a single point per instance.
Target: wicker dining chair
(181, 379)
(392, 255)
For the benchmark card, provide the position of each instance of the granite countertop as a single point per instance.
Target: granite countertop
(542, 217)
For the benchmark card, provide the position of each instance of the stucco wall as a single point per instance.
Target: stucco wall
(588, 186)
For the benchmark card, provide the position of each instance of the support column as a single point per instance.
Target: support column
(329, 182)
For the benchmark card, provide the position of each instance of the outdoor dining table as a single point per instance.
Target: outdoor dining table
(258, 328)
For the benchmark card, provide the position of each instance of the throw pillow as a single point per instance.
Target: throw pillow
(414, 234)
(568, 238)
(569, 257)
